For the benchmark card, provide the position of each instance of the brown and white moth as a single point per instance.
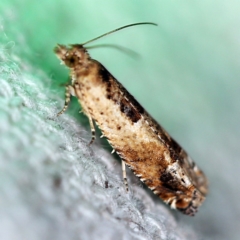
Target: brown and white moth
(143, 145)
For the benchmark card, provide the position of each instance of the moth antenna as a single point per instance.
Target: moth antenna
(117, 29)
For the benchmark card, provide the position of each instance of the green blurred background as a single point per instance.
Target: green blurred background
(185, 72)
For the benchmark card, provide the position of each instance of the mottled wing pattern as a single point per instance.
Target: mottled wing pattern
(157, 159)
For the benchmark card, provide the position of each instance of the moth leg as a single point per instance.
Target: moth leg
(124, 175)
(68, 93)
(92, 129)
(85, 111)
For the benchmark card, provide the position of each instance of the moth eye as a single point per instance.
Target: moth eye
(71, 61)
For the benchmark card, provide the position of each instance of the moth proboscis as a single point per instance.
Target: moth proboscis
(143, 145)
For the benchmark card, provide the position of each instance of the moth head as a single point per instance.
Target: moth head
(73, 56)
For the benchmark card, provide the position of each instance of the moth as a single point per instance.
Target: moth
(142, 144)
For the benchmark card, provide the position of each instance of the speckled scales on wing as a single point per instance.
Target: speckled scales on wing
(139, 140)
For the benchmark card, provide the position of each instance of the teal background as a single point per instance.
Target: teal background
(185, 72)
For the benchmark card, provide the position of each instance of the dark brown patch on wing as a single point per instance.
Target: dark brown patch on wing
(131, 99)
(168, 181)
(135, 103)
(129, 110)
(105, 75)
(175, 150)
(116, 92)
